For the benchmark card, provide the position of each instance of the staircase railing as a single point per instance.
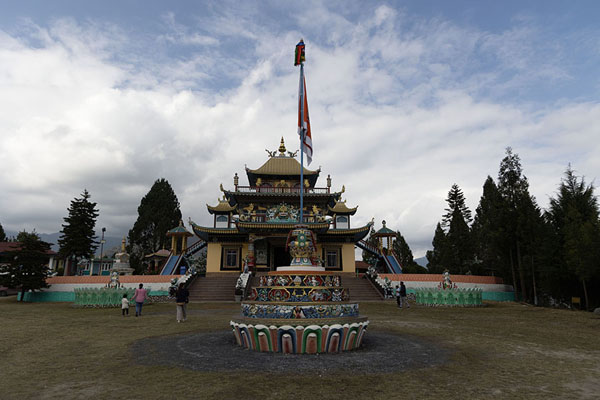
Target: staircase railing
(373, 276)
(242, 285)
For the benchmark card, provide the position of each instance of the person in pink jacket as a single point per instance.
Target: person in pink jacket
(139, 296)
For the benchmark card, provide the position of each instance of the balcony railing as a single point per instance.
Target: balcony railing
(262, 217)
(283, 190)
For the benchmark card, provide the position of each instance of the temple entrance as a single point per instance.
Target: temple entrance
(280, 257)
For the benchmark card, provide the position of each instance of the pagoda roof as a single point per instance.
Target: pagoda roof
(341, 208)
(385, 231)
(282, 165)
(179, 231)
(222, 207)
(356, 233)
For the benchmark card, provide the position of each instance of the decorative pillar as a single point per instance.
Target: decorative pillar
(236, 181)
(251, 258)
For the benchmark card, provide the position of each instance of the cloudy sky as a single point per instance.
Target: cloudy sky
(406, 98)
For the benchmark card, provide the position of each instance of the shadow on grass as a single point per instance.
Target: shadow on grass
(217, 352)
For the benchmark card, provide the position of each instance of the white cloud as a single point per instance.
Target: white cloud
(400, 109)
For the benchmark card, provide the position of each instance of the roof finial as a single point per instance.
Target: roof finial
(282, 147)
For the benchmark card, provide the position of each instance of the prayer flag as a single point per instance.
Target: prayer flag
(299, 56)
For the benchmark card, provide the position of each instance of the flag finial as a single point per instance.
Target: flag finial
(300, 53)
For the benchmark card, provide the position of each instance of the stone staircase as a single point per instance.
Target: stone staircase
(360, 288)
(214, 287)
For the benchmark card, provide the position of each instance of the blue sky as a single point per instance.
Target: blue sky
(406, 99)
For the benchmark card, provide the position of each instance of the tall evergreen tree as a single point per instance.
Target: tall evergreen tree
(402, 250)
(437, 258)
(459, 245)
(405, 256)
(574, 214)
(158, 212)
(27, 268)
(487, 231)
(514, 189)
(77, 236)
(2, 234)
(456, 201)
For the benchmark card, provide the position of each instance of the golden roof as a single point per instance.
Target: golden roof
(341, 208)
(281, 165)
(222, 207)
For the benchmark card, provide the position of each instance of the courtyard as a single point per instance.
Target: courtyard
(503, 350)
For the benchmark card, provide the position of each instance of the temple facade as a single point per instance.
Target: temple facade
(251, 223)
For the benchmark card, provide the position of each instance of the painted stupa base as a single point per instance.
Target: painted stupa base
(299, 312)
(308, 338)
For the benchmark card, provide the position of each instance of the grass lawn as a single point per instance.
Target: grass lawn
(505, 350)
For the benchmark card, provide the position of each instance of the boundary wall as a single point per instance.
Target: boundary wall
(493, 287)
(62, 287)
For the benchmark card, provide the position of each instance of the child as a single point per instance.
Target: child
(125, 305)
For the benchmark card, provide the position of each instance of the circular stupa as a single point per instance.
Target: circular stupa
(300, 308)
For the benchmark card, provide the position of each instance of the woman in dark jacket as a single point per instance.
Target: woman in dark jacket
(181, 297)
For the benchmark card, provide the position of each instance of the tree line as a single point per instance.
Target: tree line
(549, 256)
(24, 266)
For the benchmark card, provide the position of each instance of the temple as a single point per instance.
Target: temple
(251, 223)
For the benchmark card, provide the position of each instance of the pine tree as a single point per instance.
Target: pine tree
(487, 231)
(574, 214)
(2, 234)
(405, 256)
(27, 268)
(459, 245)
(514, 189)
(456, 201)
(158, 212)
(437, 258)
(78, 237)
(368, 257)
(402, 251)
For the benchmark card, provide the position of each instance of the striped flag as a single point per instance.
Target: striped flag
(304, 120)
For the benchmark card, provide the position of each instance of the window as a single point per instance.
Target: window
(342, 222)
(230, 258)
(332, 258)
(221, 221)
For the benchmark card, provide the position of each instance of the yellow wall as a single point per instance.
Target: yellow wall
(213, 257)
(348, 257)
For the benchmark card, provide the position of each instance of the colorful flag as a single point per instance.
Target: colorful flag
(300, 57)
(304, 120)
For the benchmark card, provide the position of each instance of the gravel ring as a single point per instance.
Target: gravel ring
(217, 352)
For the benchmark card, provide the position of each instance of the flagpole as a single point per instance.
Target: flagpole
(302, 133)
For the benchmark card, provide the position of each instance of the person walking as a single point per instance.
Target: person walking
(182, 298)
(398, 299)
(403, 299)
(125, 305)
(139, 296)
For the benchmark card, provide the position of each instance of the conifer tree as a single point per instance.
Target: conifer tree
(487, 231)
(574, 214)
(402, 251)
(458, 245)
(2, 234)
(27, 268)
(514, 189)
(437, 258)
(77, 236)
(157, 214)
(456, 201)
(405, 256)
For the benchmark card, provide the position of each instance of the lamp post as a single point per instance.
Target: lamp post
(102, 241)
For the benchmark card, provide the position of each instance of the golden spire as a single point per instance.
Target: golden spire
(282, 147)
